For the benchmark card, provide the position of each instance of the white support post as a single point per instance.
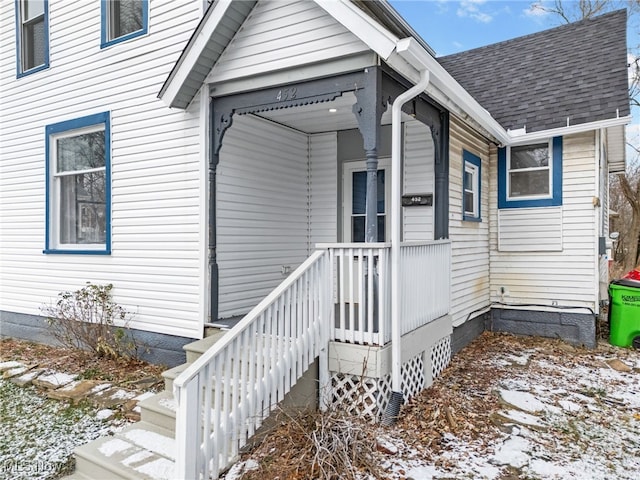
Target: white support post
(187, 430)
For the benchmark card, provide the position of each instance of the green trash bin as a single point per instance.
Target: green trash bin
(624, 313)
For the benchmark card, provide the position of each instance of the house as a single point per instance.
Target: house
(311, 173)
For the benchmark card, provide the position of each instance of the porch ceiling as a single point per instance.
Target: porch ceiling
(316, 118)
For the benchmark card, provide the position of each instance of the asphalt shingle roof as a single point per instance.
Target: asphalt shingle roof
(578, 70)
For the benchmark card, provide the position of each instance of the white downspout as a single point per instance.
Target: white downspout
(393, 408)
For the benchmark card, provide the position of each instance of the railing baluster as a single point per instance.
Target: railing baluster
(224, 396)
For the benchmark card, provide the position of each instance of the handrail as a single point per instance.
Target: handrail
(223, 397)
(190, 372)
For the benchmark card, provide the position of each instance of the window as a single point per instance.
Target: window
(471, 186)
(123, 20)
(32, 20)
(78, 186)
(530, 175)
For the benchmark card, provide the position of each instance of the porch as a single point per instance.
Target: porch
(333, 311)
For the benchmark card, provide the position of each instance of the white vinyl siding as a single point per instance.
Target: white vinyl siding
(323, 191)
(282, 35)
(536, 229)
(565, 277)
(261, 210)
(418, 179)
(469, 240)
(157, 264)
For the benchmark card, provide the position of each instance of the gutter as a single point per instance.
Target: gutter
(393, 408)
(518, 138)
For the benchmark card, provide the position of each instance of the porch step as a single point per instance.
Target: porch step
(171, 374)
(197, 348)
(141, 450)
(159, 410)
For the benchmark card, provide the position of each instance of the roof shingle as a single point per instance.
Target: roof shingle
(568, 75)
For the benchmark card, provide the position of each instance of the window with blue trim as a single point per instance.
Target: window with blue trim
(530, 175)
(471, 180)
(32, 35)
(78, 186)
(123, 20)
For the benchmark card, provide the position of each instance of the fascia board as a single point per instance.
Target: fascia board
(527, 138)
(450, 90)
(374, 35)
(171, 89)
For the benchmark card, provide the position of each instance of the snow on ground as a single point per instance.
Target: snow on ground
(507, 408)
(567, 417)
(39, 434)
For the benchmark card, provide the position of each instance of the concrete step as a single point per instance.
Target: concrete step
(171, 374)
(159, 410)
(197, 348)
(139, 451)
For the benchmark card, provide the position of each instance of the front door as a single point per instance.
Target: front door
(355, 200)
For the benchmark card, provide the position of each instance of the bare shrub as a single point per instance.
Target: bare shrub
(330, 445)
(89, 319)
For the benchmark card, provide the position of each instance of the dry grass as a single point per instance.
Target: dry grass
(87, 365)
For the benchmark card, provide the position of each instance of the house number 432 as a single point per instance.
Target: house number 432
(286, 94)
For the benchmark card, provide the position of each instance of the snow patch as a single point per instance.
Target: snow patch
(423, 473)
(57, 379)
(137, 458)
(10, 364)
(523, 401)
(121, 394)
(168, 403)
(152, 441)
(513, 452)
(159, 469)
(99, 388)
(112, 446)
(239, 469)
(570, 406)
(522, 418)
(104, 414)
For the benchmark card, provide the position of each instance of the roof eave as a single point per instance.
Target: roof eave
(517, 138)
(444, 88)
(179, 89)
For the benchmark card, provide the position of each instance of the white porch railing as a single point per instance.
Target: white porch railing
(362, 288)
(361, 291)
(224, 396)
(425, 283)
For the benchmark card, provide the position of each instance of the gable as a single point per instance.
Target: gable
(566, 76)
(282, 35)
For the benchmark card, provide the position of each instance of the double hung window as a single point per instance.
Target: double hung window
(123, 20)
(530, 172)
(471, 186)
(78, 190)
(530, 175)
(32, 36)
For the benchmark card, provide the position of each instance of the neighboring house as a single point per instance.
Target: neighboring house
(212, 161)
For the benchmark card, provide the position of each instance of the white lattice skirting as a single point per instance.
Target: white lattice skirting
(368, 396)
(440, 356)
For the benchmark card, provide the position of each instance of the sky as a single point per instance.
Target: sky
(452, 26)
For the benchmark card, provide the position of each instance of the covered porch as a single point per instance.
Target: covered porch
(309, 165)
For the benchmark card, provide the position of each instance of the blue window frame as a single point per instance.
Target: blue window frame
(122, 20)
(471, 184)
(530, 175)
(78, 186)
(32, 36)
